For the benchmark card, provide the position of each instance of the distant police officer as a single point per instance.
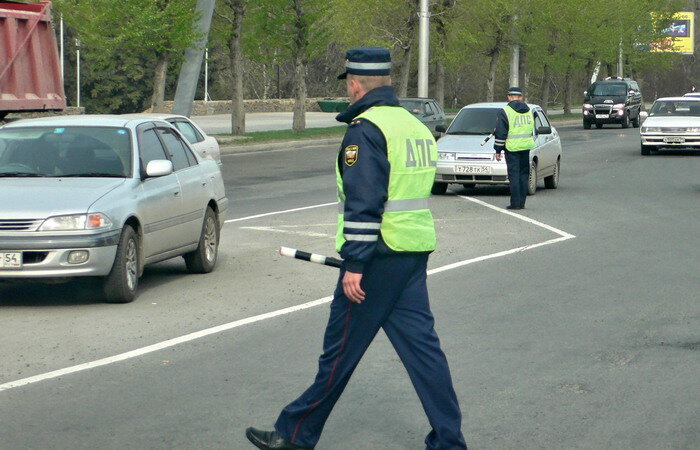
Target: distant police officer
(385, 170)
(514, 134)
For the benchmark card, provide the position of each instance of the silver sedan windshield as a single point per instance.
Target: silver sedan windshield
(65, 152)
(477, 121)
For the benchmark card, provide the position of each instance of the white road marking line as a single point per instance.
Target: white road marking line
(238, 323)
(519, 216)
(277, 230)
(496, 255)
(280, 212)
(161, 345)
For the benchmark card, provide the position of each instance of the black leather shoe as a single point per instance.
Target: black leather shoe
(514, 207)
(270, 439)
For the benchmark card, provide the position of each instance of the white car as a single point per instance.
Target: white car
(206, 146)
(692, 94)
(464, 158)
(672, 122)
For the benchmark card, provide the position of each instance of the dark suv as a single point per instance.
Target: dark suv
(612, 100)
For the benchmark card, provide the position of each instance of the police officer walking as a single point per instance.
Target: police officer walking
(515, 127)
(385, 170)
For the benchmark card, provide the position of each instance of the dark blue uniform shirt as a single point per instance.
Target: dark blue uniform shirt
(366, 179)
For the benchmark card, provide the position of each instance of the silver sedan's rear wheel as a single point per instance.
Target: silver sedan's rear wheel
(121, 283)
(532, 179)
(203, 259)
(552, 181)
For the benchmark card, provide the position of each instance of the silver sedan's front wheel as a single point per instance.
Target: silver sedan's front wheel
(532, 180)
(121, 283)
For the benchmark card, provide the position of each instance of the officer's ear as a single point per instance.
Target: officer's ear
(355, 89)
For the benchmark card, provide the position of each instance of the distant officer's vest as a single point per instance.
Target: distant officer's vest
(407, 224)
(521, 127)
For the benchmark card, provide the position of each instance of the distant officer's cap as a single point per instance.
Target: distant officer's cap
(371, 61)
(515, 91)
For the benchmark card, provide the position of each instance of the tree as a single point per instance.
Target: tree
(156, 29)
(232, 12)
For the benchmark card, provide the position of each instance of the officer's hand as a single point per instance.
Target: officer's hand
(498, 156)
(351, 287)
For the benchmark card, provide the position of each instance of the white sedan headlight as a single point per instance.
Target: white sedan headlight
(76, 222)
(446, 156)
(651, 129)
(693, 130)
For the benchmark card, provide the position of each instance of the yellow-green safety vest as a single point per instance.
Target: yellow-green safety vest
(407, 224)
(521, 127)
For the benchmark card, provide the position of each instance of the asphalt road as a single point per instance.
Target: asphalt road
(575, 324)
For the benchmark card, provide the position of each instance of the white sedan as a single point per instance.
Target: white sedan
(464, 158)
(672, 122)
(206, 146)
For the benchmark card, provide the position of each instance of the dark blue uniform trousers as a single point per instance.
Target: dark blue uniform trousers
(396, 299)
(518, 164)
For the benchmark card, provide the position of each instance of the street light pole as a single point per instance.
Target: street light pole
(77, 71)
(423, 48)
(206, 75)
(515, 61)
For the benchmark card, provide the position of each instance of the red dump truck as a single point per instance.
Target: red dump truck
(30, 74)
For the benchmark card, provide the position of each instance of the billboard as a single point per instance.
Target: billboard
(681, 35)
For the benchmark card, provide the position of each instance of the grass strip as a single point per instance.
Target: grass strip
(284, 135)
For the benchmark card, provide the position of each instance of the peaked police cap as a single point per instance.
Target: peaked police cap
(371, 61)
(515, 91)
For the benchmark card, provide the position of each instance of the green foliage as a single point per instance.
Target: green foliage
(120, 39)
(271, 34)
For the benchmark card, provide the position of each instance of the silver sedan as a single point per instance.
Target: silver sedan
(466, 157)
(104, 196)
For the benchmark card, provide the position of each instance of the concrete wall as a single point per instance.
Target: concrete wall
(201, 108)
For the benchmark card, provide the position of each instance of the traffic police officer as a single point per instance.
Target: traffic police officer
(515, 128)
(385, 170)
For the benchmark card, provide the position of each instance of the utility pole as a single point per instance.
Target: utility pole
(189, 71)
(423, 48)
(515, 60)
(77, 71)
(620, 63)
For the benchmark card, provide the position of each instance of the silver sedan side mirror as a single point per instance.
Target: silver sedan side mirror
(159, 168)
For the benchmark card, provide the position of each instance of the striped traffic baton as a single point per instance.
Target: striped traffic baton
(311, 257)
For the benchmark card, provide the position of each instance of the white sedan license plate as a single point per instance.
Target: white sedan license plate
(478, 170)
(674, 140)
(10, 260)
(602, 116)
